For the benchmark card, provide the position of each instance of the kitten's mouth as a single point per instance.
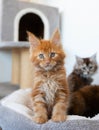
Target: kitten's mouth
(86, 76)
(48, 67)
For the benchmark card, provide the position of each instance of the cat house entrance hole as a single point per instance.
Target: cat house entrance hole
(30, 22)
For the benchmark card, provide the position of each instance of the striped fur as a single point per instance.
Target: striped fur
(50, 91)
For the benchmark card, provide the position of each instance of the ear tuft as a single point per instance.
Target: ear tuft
(56, 37)
(33, 40)
(93, 57)
(79, 60)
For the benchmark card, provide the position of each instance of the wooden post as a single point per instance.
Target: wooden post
(26, 69)
(15, 66)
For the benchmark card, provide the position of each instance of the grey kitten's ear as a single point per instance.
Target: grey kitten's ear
(93, 57)
(56, 39)
(79, 60)
(33, 40)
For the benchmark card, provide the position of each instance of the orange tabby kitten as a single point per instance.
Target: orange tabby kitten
(50, 92)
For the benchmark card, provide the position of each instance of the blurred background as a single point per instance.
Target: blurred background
(77, 20)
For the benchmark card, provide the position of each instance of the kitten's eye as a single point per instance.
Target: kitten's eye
(91, 67)
(41, 56)
(52, 54)
(84, 68)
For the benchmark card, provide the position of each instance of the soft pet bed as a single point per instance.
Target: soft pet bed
(15, 114)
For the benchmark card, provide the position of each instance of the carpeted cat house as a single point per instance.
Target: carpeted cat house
(16, 17)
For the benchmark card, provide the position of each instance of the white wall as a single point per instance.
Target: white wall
(80, 28)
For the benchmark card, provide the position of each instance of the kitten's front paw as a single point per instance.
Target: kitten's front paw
(40, 119)
(59, 118)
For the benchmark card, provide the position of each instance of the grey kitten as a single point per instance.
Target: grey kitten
(82, 73)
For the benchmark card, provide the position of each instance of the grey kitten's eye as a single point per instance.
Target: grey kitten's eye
(52, 54)
(83, 68)
(41, 56)
(91, 67)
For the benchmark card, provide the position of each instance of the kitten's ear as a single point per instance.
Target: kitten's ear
(93, 57)
(56, 39)
(33, 40)
(79, 60)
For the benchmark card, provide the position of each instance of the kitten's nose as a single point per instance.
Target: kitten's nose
(47, 62)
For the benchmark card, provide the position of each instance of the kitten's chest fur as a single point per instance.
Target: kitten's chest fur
(83, 80)
(75, 81)
(50, 86)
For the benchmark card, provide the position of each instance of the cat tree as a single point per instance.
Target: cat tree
(17, 17)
